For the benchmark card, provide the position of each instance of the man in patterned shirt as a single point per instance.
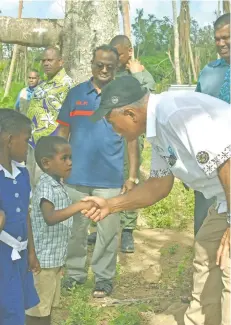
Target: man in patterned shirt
(51, 219)
(214, 80)
(45, 104)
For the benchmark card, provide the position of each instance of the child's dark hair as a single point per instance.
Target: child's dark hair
(13, 122)
(46, 147)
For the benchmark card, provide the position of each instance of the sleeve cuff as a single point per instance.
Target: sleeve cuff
(216, 162)
(158, 173)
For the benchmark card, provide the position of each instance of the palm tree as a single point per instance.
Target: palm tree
(176, 43)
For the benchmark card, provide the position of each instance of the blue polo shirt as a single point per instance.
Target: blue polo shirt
(214, 80)
(97, 151)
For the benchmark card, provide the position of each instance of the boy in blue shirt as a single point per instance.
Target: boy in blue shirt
(17, 254)
(51, 217)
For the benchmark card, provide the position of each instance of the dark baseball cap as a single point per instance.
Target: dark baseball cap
(118, 93)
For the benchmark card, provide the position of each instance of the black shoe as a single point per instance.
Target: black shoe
(92, 238)
(127, 242)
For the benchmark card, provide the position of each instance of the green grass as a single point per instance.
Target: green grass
(82, 312)
(175, 211)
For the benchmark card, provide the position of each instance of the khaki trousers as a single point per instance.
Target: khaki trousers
(211, 290)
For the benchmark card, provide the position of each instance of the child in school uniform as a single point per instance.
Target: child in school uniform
(17, 254)
(51, 215)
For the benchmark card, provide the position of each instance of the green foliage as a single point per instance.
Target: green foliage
(175, 211)
(9, 102)
(80, 311)
(128, 317)
(160, 67)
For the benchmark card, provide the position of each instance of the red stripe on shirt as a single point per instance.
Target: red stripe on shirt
(62, 123)
(81, 113)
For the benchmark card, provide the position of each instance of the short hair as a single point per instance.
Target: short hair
(35, 71)
(222, 21)
(54, 49)
(121, 40)
(46, 147)
(13, 122)
(106, 48)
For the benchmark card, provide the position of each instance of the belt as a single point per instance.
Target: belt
(14, 243)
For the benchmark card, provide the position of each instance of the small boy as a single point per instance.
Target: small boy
(17, 292)
(51, 217)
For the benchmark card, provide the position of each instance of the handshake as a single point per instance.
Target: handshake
(95, 208)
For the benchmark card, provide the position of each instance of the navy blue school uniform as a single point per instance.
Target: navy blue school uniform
(17, 292)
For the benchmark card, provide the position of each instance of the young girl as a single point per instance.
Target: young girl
(17, 292)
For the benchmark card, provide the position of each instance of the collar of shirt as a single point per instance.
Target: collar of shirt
(217, 63)
(91, 87)
(15, 170)
(151, 116)
(48, 179)
(59, 76)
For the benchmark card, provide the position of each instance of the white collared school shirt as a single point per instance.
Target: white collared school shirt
(190, 137)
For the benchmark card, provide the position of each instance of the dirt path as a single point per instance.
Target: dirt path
(158, 274)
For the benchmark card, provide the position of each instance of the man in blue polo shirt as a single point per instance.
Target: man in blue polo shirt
(97, 169)
(214, 80)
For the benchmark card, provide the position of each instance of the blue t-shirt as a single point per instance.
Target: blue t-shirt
(214, 80)
(97, 151)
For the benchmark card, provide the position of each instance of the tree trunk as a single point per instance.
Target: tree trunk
(192, 61)
(88, 24)
(176, 43)
(30, 32)
(126, 18)
(226, 7)
(13, 61)
(218, 8)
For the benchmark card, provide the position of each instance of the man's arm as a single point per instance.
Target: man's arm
(34, 265)
(223, 252)
(224, 176)
(141, 74)
(2, 220)
(134, 163)
(146, 194)
(17, 104)
(146, 80)
(64, 131)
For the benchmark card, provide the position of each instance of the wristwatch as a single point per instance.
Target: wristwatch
(134, 180)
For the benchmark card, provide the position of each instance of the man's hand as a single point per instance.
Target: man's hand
(34, 265)
(92, 207)
(134, 66)
(93, 213)
(128, 186)
(223, 252)
(2, 220)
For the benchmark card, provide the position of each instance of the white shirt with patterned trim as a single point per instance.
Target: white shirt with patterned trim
(190, 137)
(50, 241)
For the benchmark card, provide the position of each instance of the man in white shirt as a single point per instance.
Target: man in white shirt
(190, 137)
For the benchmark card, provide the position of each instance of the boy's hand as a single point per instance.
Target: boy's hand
(34, 265)
(2, 220)
(92, 206)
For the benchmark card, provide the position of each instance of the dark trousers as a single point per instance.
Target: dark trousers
(201, 209)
